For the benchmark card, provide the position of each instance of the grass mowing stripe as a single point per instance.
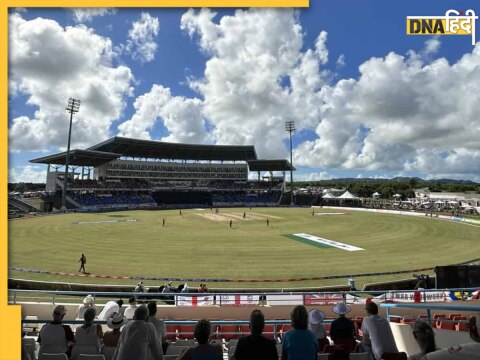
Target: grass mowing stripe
(305, 241)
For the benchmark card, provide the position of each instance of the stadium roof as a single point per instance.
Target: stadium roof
(269, 165)
(78, 158)
(162, 150)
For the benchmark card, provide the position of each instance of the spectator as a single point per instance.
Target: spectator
(299, 343)
(377, 334)
(55, 337)
(203, 350)
(139, 339)
(255, 346)
(315, 319)
(158, 324)
(88, 302)
(110, 338)
(342, 331)
(130, 310)
(87, 337)
(110, 309)
(461, 352)
(425, 338)
(140, 287)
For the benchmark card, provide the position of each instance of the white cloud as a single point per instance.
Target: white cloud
(314, 176)
(256, 77)
(19, 10)
(401, 115)
(321, 47)
(87, 14)
(181, 116)
(341, 61)
(49, 64)
(27, 174)
(432, 46)
(141, 38)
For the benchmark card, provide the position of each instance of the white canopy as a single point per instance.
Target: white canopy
(397, 195)
(376, 194)
(329, 196)
(347, 195)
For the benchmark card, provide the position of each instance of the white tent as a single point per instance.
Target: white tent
(376, 194)
(328, 196)
(397, 196)
(347, 195)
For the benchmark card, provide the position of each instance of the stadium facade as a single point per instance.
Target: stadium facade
(124, 172)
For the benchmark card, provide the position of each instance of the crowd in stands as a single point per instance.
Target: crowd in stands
(245, 198)
(144, 337)
(112, 199)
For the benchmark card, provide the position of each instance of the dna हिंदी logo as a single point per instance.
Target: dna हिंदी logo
(453, 23)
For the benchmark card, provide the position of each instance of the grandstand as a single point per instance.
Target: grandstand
(130, 173)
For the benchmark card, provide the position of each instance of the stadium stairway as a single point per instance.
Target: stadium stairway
(21, 205)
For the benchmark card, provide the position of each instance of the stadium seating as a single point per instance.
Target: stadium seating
(228, 332)
(359, 356)
(48, 356)
(186, 331)
(176, 350)
(107, 352)
(394, 356)
(29, 346)
(91, 357)
(171, 332)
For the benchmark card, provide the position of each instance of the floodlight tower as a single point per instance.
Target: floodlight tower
(72, 107)
(290, 127)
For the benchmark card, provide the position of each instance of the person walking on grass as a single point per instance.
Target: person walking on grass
(231, 222)
(268, 222)
(82, 261)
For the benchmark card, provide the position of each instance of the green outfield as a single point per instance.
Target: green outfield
(201, 244)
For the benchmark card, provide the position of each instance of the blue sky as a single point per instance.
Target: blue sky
(368, 100)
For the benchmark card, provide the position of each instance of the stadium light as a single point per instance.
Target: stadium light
(290, 127)
(73, 106)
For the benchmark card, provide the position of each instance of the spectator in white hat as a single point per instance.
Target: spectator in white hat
(315, 320)
(88, 302)
(342, 331)
(111, 337)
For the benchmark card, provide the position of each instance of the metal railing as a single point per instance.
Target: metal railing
(253, 298)
(428, 309)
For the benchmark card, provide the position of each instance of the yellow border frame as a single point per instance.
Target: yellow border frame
(10, 316)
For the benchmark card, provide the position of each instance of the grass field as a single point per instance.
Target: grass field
(200, 244)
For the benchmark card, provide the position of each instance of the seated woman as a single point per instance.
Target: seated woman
(204, 350)
(87, 337)
(315, 319)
